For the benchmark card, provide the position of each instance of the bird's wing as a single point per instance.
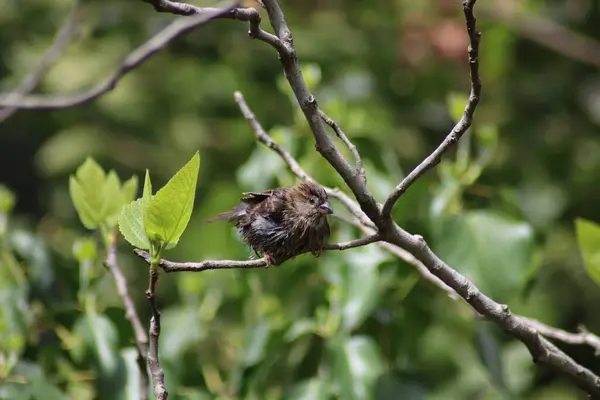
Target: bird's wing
(256, 197)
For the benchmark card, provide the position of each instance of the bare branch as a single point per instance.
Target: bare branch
(461, 126)
(342, 136)
(541, 349)
(141, 339)
(171, 266)
(309, 107)
(158, 376)
(583, 337)
(132, 60)
(32, 80)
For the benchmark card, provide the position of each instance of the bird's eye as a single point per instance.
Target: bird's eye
(312, 200)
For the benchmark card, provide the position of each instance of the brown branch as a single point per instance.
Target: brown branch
(171, 266)
(158, 376)
(358, 163)
(540, 348)
(131, 61)
(461, 126)
(308, 104)
(141, 339)
(48, 59)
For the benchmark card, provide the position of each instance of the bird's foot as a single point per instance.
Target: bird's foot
(268, 259)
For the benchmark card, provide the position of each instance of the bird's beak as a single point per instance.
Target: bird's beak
(325, 209)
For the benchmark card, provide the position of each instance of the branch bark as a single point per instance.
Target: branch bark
(141, 339)
(158, 376)
(171, 266)
(540, 348)
(461, 126)
(131, 61)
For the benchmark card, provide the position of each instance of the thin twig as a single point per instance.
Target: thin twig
(131, 61)
(358, 163)
(141, 339)
(540, 348)
(583, 337)
(158, 376)
(61, 39)
(461, 126)
(171, 266)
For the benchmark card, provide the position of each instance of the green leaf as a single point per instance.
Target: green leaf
(112, 198)
(456, 103)
(358, 365)
(489, 352)
(131, 224)
(588, 239)
(86, 190)
(129, 189)
(147, 194)
(168, 212)
(496, 252)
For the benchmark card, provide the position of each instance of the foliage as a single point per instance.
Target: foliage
(351, 325)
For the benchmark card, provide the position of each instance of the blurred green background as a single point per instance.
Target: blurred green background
(354, 325)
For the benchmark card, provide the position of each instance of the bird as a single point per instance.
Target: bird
(281, 223)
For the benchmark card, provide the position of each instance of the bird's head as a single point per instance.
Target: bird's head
(308, 200)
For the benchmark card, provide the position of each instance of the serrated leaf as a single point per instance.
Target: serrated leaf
(456, 103)
(588, 239)
(112, 199)
(131, 224)
(129, 189)
(168, 212)
(85, 189)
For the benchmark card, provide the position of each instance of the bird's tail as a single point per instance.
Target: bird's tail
(232, 215)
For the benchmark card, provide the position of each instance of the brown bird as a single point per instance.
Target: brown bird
(284, 222)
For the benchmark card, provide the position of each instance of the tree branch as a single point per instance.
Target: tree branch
(32, 80)
(461, 126)
(308, 104)
(171, 266)
(141, 339)
(541, 349)
(131, 61)
(158, 376)
(583, 337)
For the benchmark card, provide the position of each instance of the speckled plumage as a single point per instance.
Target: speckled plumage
(284, 222)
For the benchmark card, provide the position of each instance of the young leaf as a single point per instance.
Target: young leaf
(588, 239)
(129, 189)
(112, 198)
(147, 194)
(168, 212)
(85, 193)
(131, 224)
